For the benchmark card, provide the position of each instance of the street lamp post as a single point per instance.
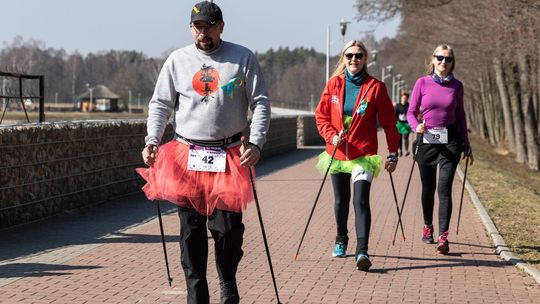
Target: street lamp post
(373, 58)
(343, 30)
(386, 68)
(400, 89)
(327, 52)
(395, 83)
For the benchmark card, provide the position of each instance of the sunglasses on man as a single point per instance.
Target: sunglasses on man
(358, 56)
(447, 59)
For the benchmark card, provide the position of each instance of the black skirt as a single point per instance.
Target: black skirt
(431, 154)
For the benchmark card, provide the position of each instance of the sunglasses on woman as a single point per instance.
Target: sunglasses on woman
(358, 56)
(447, 59)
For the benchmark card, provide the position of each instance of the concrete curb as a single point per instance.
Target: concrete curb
(500, 245)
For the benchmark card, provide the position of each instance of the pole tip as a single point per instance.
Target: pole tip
(295, 257)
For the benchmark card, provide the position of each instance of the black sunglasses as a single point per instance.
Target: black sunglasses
(358, 56)
(447, 59)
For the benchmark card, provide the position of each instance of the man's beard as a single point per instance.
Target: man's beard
(206, 47)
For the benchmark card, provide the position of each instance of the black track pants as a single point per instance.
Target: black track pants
(227, 231)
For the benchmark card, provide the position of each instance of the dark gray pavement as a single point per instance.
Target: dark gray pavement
(112, 253)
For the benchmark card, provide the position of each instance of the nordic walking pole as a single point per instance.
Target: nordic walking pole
(400, 211)
(316, 200)
(462, 190)
(163, 242)
(262, 226)
(397, 208)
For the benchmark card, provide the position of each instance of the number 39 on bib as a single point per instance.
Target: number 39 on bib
(208, 159)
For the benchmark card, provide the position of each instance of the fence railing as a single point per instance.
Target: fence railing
(22, 93)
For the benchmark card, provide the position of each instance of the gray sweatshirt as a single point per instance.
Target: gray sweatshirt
(214, 92)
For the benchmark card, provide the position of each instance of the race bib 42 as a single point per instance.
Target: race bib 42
(209, 159)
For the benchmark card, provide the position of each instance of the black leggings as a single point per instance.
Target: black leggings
(404, 142)
(428, 175)
(341, 183)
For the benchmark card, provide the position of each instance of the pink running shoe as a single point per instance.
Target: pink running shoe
(427, 237)
(442, 246)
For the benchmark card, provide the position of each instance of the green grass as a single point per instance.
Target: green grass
(511, 194)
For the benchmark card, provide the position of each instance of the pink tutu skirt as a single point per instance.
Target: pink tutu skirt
(169, 179)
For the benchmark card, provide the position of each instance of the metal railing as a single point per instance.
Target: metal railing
(10, 94)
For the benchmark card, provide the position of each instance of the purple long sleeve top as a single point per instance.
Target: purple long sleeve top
(440, 105)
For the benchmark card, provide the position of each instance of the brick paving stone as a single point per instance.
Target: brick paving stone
(127, 266)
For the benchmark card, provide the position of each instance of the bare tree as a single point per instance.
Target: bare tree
(496, 57)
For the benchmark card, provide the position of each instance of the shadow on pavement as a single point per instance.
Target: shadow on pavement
(473, 245)
(440, 262)
(105, 223)
(17, 270)
(91, 225)
(280, 162)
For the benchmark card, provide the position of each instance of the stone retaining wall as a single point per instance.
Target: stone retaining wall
(50, 168)
(53, 167)
(308, 135)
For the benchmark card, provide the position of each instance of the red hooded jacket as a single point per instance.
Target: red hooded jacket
(361, 138)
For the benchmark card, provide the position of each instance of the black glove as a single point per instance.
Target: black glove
(467, 151)
(392, 158)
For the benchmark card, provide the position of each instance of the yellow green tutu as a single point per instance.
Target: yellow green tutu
(371, 163)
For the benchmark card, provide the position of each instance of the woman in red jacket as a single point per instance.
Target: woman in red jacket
(347, 114)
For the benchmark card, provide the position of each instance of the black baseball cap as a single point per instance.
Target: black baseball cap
(206, 11)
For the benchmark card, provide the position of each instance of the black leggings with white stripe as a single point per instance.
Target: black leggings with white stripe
(342, 194)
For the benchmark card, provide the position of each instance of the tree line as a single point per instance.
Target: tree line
(67, 75)
(496, 46)
(294, 76)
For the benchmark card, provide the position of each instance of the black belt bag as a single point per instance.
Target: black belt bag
(212, 143)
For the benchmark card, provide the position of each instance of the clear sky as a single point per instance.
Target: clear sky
(157, 26)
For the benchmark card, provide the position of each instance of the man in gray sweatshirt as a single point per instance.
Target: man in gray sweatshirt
(208, 86)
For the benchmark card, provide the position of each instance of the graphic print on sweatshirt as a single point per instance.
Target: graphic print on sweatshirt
(206, 82)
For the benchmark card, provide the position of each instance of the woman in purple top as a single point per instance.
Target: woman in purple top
(438, 97)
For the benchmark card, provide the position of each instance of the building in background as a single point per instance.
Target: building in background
(99, 99)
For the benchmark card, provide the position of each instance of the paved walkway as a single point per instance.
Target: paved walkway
(112, 253)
